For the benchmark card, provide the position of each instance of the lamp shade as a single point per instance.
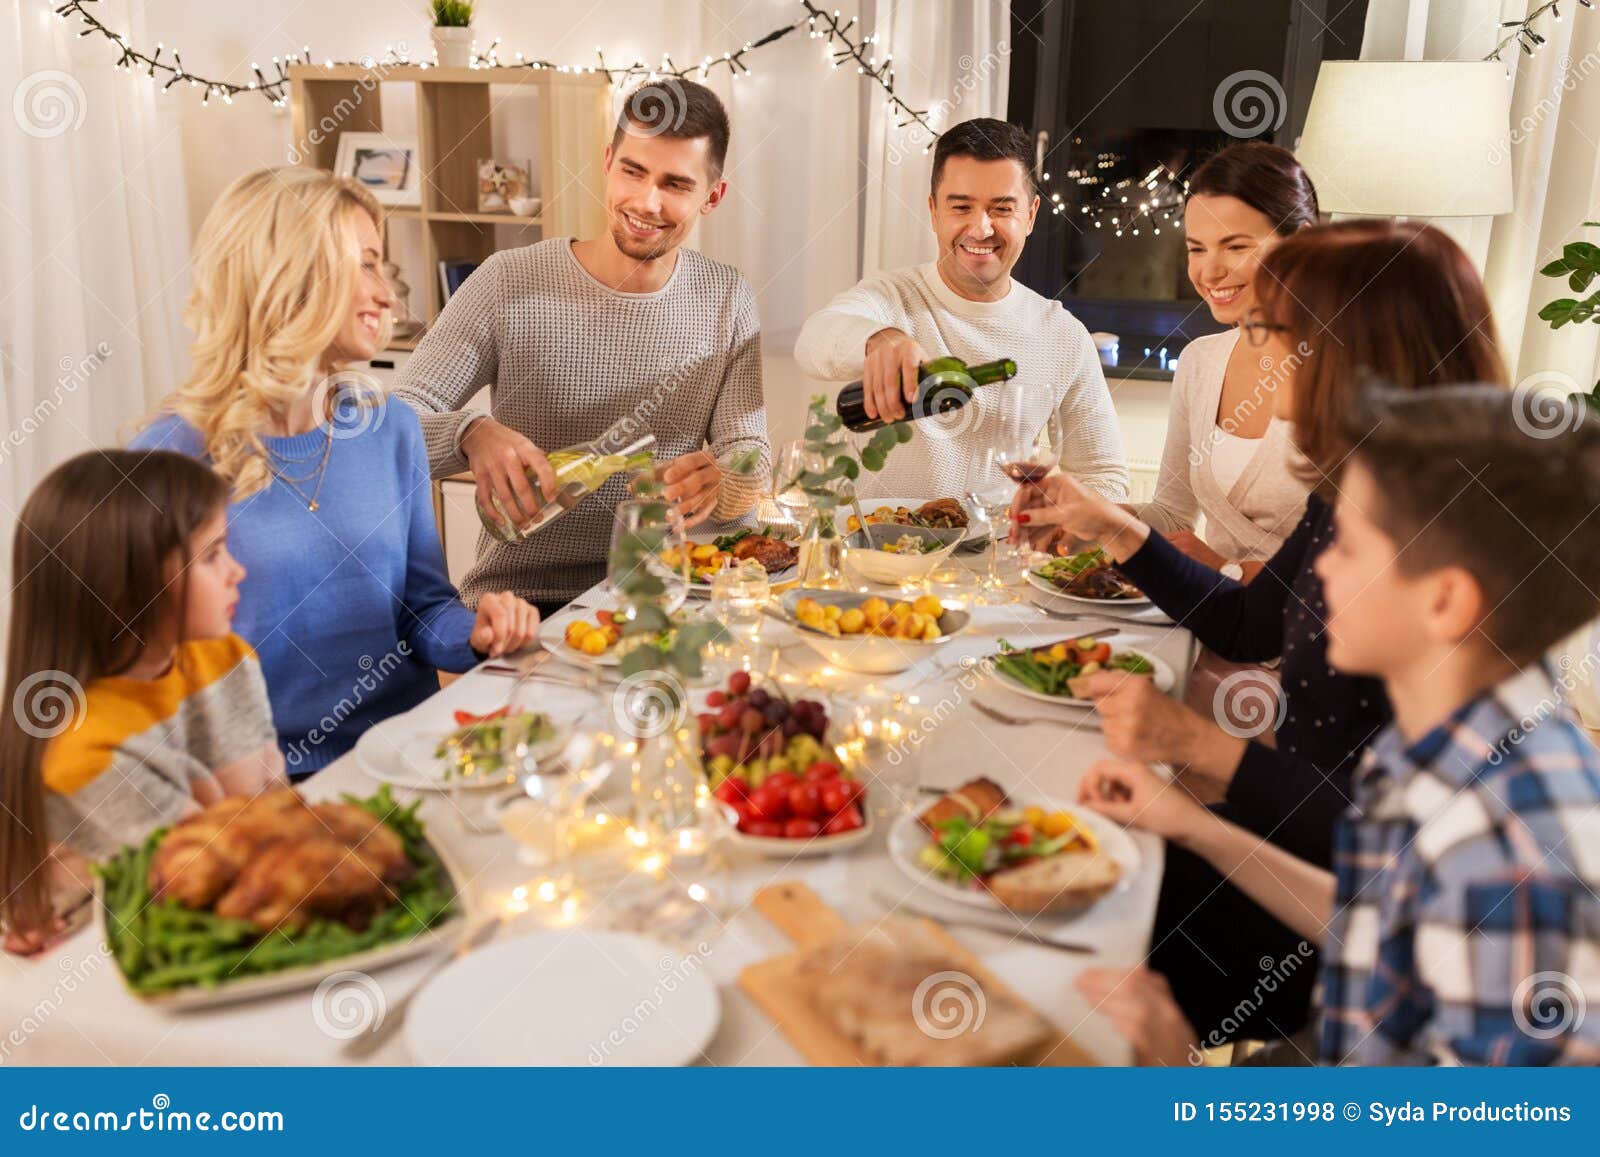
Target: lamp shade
(1410, 138)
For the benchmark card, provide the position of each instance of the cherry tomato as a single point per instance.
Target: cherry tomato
(853, 790)
(823, 770)
(1099, 654)
(799, 829)
(733, 790)
(463, 718)
(836, 796)
(772, 829)
(805, 800)
(846, 821)
(1021, 836)
(605, 618)
(769, 803)
(782, 780)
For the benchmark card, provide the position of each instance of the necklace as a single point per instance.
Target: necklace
(320, 474)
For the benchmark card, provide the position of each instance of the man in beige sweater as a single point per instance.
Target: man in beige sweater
(965, 304)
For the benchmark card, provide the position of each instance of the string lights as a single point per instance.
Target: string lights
(1523, 33)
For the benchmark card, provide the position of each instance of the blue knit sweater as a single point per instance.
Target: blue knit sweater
(349, 607)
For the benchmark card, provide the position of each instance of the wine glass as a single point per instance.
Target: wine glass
(791, 460)
(988, 494)
(1027, 458)
(657, 521)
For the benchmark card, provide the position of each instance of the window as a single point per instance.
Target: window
(1125, 98)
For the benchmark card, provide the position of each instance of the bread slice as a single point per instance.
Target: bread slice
(1058, 883)
(977, 800)
(905, 1000)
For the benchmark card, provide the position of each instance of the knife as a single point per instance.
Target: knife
(1000, 925)
(369, 1043)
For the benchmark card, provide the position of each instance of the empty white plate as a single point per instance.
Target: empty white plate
(566, 998)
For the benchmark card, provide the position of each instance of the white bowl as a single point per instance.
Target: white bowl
(868, 654)
(867, 562)
(526, 206)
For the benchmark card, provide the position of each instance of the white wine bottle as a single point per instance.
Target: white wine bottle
(580, 470)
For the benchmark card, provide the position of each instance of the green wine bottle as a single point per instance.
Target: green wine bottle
(943, 385)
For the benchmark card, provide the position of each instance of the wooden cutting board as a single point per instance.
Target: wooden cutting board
(787, 996)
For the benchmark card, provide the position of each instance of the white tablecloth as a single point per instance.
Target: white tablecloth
(69, 1007)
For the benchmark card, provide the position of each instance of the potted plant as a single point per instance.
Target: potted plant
(1579, 263)
(452, 32)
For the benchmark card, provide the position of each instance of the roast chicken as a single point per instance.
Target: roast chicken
(276, 860)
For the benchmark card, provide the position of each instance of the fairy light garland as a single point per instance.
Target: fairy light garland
(1523, 34)
(165, 67)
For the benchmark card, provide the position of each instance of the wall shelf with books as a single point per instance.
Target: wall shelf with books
(436, 176)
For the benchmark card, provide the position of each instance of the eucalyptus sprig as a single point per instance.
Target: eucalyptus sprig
(832, 483)
(1579, 263)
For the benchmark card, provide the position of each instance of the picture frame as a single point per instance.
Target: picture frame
(384, 165)
(500, 182)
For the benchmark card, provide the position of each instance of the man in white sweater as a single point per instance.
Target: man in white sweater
(966, 305)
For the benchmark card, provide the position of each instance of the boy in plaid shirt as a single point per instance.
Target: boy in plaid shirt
(1461, 923)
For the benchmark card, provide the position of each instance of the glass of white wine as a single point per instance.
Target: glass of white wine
(654, 518)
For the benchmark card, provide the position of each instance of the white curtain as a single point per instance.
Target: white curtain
(95, 245)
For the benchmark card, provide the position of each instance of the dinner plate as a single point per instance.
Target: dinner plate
(553, 638)
(973, 539)
(1050, 588)
(569, 998)
(702, 588)
(907, 837)
(1164, 678)
(397, 752)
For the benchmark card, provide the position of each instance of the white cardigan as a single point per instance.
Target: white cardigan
(1250, 521)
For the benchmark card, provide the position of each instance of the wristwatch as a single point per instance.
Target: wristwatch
(1231, 570)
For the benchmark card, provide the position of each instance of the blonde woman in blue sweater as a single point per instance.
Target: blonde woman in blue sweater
(347, 601)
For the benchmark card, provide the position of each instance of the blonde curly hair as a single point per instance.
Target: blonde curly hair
(273, 273)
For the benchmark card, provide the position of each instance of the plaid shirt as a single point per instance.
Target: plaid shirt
(1467, 924)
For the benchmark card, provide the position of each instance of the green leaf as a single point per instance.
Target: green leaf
(1579, 254)
(647, 618)
(642, 659)
(902, 431)
(1555, 269)
(847, 466)
(744, 462)
(873, 459)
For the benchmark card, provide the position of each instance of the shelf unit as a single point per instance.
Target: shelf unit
(455, 111)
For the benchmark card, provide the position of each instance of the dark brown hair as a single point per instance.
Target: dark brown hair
(1264, 176)
(680, 110)
(1361, 300)
(90, 556)
(1480, 478)
(984, 139)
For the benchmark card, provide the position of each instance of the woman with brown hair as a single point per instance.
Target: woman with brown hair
(1337, 304)
(1228, 458)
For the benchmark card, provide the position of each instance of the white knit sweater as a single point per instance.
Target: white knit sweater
(1053, 351)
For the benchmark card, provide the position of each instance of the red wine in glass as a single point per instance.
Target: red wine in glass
(1024, 473)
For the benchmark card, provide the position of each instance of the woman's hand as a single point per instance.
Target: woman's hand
(1061, 505)
(36, 940)
(1140, 722)
(505, 623)
(692, 482)
(1139, 1003)
(1136, 797)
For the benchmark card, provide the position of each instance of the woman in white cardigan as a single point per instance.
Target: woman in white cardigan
(1226, 457)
